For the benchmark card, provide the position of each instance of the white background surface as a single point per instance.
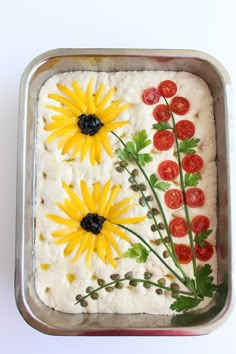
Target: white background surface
(28, 28)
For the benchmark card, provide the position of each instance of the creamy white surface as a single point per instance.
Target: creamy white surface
(50, 161)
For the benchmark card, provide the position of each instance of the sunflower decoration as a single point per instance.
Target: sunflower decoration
(84, 120)
(92, 222)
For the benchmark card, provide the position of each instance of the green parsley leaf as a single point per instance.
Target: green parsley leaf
(137, 251)
(144, 158)
(123, 155)
(190, 283)
(199, 239)
(187, 145)
(141, 140)
(191, 180)
(163, 186)
(130, 147)
(153, 179)
(161, 126)
(184, 303)
(205, 286)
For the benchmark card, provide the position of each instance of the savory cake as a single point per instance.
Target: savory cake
(125, 204)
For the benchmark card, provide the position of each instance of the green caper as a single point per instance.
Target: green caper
(123, 163)
(94, 296)
(129, 275)
(89, 289)
(161, 226)
(78, 297)
(83, 303)
(159, 291)
(146, 285)
(155, 211)
(133, 283)
(149, 198)
(149, 214)
(153, 227)
(134, 172)
(142, 187)
(101, 282)
(167, 239)
(119, 169)
(175, 295)
(115, 276)
(119, 285)
(162, 281)
(131, 179)
(158, 242)
(142, 201)
(109, 289)
(134, 187)
(174, 286)
(166, 254)
(147, 275)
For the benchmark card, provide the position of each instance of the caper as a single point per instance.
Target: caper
(78, 297)
(123, 163)
(153, 227)
(133, 283)
(115, 276)
(129, 275)
(161, 226)
(147, 275)
(146, 285)
(83, 303)
(142, 187)
(119, 285)
(94, 296)
(175, 295)
(109, 289)
(134, 187)
(149, 215)
(131, 179)
(159, 291)
(162, 281)
(174, 286)
(89, 289)
(167, 239)
(158, 242)
(134, 172)
(149, 198)
(101, 282)
(142, 201)
(166, 254)
(119, 169)
(155, 211)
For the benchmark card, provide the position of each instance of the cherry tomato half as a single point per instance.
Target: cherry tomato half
(161, 113)
(174, 198)
(183, 253)
(163, 140)
(179, 105)
(150, 96)
(178, 227)
(204, 253)
(200, 223)
(168, 170)
(192, 163)
(167, 88)
(195, 197)
(185, 129)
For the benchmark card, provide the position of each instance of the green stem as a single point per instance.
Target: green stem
(182, 280)
(136, 280)
(183, 191)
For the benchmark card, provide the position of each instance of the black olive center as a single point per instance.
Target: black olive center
(89, 124)
(92, 223)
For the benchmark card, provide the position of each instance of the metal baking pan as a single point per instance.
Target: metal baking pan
(32, 309)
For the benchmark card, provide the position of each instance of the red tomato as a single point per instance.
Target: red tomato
(163, 140)
(174, 198)
(178, 227)
(179, 105)
(183, 253)
(150, 96)
(192, 163)
(195, 197)
(168, 170)
(161, 113)
(204, 253)
(185, 129)
(167, 88)
(200, 223)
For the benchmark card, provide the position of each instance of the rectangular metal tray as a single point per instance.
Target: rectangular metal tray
(32, 309)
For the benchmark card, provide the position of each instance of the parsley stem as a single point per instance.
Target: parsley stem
(183, 191)
(154, 252)
(157, 285)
